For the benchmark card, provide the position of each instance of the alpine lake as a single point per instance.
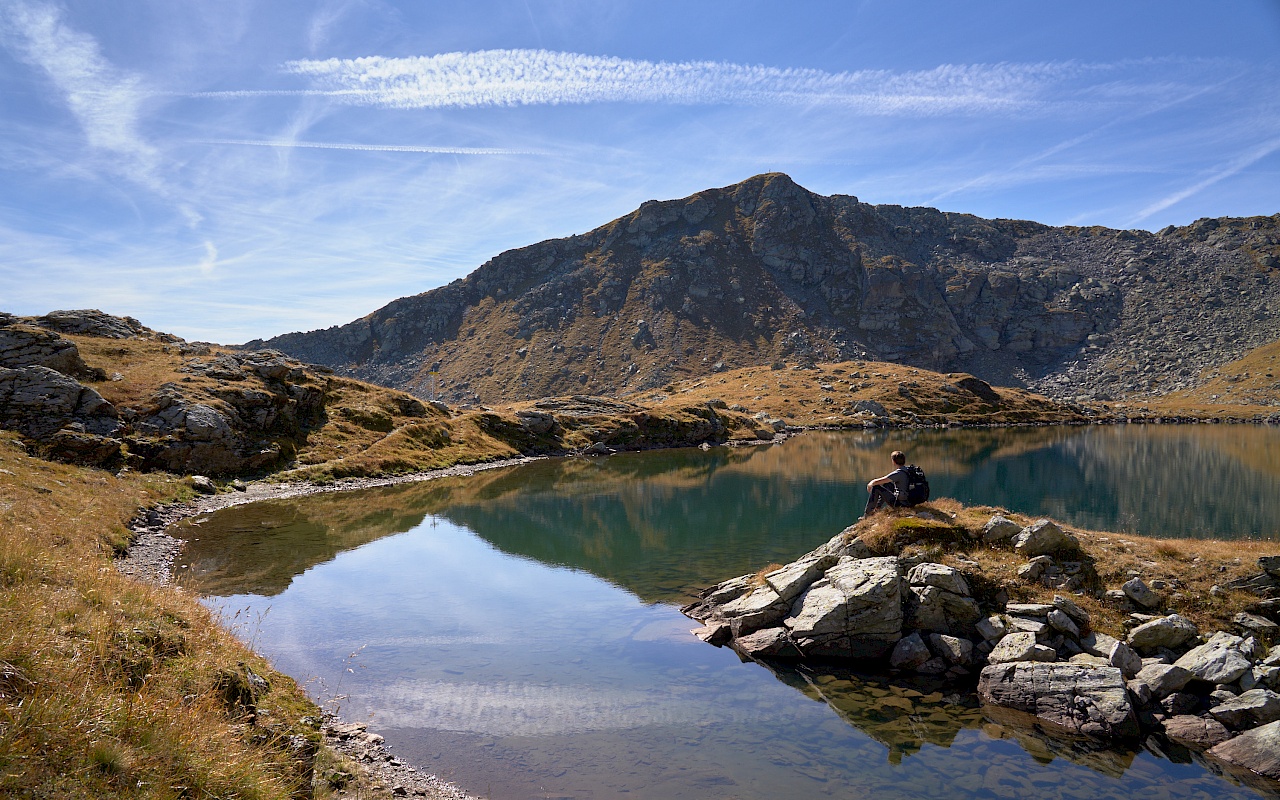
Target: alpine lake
(517, 631)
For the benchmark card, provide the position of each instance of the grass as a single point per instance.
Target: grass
(110, 687)
(949, 532)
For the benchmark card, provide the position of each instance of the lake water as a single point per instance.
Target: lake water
(517, 630)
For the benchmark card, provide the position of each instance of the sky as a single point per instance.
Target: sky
(234, 169)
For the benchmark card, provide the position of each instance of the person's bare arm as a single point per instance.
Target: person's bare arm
(880, 481)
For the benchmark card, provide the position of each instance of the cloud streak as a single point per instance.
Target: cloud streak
(1222, 172)
(376, 148)
(542, 77)
(105, 100)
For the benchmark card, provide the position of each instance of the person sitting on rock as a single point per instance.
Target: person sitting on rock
(886, 491)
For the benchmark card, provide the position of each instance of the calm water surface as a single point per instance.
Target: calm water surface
(518, 632)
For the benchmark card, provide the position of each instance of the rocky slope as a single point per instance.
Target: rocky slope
(766, 271)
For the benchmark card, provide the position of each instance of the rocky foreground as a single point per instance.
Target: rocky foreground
(1214, 692)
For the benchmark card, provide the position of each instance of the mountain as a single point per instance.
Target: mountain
(765, 271)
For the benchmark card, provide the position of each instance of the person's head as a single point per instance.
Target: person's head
(899, 457)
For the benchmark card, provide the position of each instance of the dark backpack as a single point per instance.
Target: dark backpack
(917, 486)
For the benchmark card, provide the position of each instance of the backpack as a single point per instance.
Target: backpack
(917, 486)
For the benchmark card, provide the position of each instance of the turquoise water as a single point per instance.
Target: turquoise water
(518, 632)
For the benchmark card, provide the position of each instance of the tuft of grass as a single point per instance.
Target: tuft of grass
(759, 578)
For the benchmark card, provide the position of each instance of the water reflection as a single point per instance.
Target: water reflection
(516, 629)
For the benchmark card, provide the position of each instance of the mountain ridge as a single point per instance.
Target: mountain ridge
(766, 272)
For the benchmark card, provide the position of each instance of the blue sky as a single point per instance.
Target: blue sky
(234, 169)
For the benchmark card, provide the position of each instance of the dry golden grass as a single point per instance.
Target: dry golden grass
(109, 687)
(947, 531)
(824, 395)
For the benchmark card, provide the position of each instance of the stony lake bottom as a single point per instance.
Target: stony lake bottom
(518, 632)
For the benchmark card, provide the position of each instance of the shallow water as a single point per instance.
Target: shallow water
(518, 630)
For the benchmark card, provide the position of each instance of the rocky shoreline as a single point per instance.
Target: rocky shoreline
(1216, 694)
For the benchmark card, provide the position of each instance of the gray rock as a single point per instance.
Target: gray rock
(1043, 537)
(1254, 625)
(759, 608)
(717, 633)
(999, 529)
(854, 611)
(1199, 733)
(1098, 644)
(1060, 622)
(39, 401)
(1067, 606)
(536, 422)
(1124, 659)
(1141, 594)
(1180, 703)
(1020, 647)
(1027, 625)
(767, 643)
(909, 653)
(1218, 660)
(1257, 750)
(1171, 631)
(991, 628)
(203, 485)
(932, 609)
(1164, 679)
(1270, 565)
(1040, 610)
(1249, 710)
(939, 575)
(954, 649)
(1091, 701)
(794, 578)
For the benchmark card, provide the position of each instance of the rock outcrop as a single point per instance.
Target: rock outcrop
(1038, 661)
(257, 408)
(765, 271)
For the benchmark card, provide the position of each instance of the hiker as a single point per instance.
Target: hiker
(890, 490)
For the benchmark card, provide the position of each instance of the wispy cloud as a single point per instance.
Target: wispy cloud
(104, 99)
(542, 77)
(376, 148)
(1221, 172)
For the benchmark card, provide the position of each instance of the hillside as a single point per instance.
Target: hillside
(765, 272)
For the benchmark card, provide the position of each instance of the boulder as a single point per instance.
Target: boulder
(1141, 594)
(954, 649)
(1091, 701)
(853, 611)
(1067, 606)
(1163, 679)
(1219, 660)
(39, 401)
(991, 628)
(1124, 659)
(939, 575)
(767, 643)
(1043, 537)
(1171, 631)
(1020, 646)
(1270, 565)
(909, 653)
(27, 346)
(1200, 733)
(92, 322)
(203, 485)
(1249, 710)
(1257, 750)
(999, 529)
(1060, 622)
(794, 578)
(759, 608)
(1255, 625)
(1098, 644)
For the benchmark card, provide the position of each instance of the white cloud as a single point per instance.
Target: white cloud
(105, 100)
(532, 77)
(375, 148)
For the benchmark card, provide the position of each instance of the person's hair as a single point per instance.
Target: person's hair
(899, 457)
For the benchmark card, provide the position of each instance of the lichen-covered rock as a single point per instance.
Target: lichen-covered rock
(1163, 679)
(28, 346)
(39, 401)
(1141, 594)
(1021, 646)
(1091, 701)
(760, 608)
(1219, 660)
(1172, 631)
(999, 529)
(1043, 537)
(767, 643)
